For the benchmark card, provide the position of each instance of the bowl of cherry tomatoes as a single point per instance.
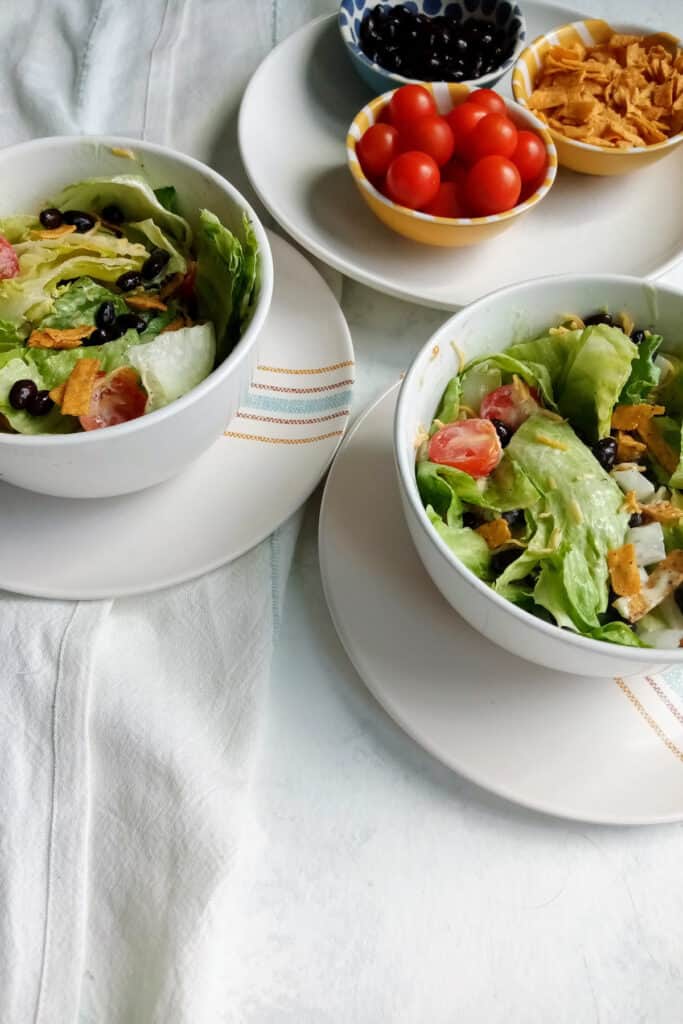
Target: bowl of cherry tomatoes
(449, 166)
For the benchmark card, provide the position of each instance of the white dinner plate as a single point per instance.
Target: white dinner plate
(601, 750)
(251, 480)
(292, 128)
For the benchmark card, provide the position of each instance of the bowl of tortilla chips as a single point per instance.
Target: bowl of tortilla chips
(612, 98)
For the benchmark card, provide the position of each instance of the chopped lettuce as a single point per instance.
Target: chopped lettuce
(645, 373)
(168, 197)
(174, 363)
(669, 392)
(18, 228)
(132, 194)
(446, 488)
(450, 403)
(10, 335)
(467, 544)
(146, 231)
(227, 278)
(53, 423)
(78, 302)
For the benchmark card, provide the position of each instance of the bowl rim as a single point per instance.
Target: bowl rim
(243, 347)
(673, 140)
(354, 133)
(489, 78)
(405, 467)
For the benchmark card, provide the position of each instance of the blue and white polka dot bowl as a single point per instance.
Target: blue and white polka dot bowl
(504, 14)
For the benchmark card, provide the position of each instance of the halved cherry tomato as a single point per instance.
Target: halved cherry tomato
(432, 135)
(448, 202)
(512, 404)
(9, 261)
(494, 135)
(116, 398)
(377, 148)
(470, 445)
(462, 120)
(529, 156)
(493, 186)
(412, 180)
(186, 289)
(410, 102)
(489, 100)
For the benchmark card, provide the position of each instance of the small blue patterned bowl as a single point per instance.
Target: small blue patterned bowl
(503, 14)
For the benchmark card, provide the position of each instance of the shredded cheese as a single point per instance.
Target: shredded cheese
(575, 510)
(630, 503)
(560, 446)
(460, 354)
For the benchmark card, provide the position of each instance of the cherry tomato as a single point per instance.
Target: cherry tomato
(377, 148)
(470, 445)
(448, 202)
(489, 100)
(454, 171)
(409, 103)
(432, 135)
(412, 180)
(9, 261)
(462, 120)
(384, 116)
(116, 398)
(529, 156)
(494, 135)
(512, 404)
(493, 186)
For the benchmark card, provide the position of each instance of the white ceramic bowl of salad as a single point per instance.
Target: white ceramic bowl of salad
(160, 293)
(560, 513)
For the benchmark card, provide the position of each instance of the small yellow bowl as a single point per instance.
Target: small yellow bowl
(582, 156)
(444, 231)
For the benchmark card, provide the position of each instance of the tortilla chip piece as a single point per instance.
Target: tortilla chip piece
(143, 302)
(55, 337)
(175, 325)
(628, 448)
(57, 394)
(64, 229)
(661, 512)
(545, 99)
(495, 533)
(79, 386)
(630, 417)
(631, 504)
(623, 571)
(667, 576)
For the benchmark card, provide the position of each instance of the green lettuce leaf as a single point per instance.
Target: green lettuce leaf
(450, 403)
(579, 518)
(10, 336)
(174, 363)
(132, 194)
(446, 488)
(466, 544)
(644, 374)
(150, 234)
(669, 392)
(594, 378)
(78, 302)
(168, 197)
(618, 633)
(227, 278)
(53, 423)
(18, 227)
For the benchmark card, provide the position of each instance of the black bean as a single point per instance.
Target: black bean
(130, 280)
(81, 221)
(598, 318)
(470, 519)
(113, 214)
(21, 392)
(515, 517)
(131, 322)
(503, 431)
(99, 336)
(637, 337)
(605, 451)
(39, 404)
(51, 218)
(636, 519)
(114, 331)
(501, 559)
(155, 263)
(105, 315)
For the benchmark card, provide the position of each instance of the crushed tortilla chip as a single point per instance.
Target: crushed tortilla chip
(79, 386)
(57, 394)
(623, 571)
(631, 504)
(175, 325)
(171, 286)
(46, 233)
(628, 448)
(661, 512)
(56, 337)
(662, 581)
(630, 417)
(496, 533)
(143, 302)
(620, 94)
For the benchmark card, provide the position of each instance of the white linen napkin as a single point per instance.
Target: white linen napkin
(128, 730)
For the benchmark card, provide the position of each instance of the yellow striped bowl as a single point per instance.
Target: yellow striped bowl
(581, 156)
(444, 231)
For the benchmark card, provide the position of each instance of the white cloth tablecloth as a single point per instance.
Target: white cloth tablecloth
(176, 847)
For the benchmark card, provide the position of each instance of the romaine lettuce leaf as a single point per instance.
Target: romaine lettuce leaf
(618, 633)
(644, 374)
(17, 228)
(579, 518)
(78, 302)
(593, 379)
(10, 335)
(174, 363)
(132, 194)
(466, 544)
(227, 278)
(446, 488)
(450, 403)
(168, 197)
(53, 423)
(669, 392)
(146, 231)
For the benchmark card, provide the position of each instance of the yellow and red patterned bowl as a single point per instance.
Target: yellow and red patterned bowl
(444, 231)
(582, 156)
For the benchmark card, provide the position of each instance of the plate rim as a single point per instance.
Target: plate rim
(328, 255)
(415, 734)
(102, 593)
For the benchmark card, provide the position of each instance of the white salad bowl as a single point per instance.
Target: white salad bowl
(145, 451)
(489, 325)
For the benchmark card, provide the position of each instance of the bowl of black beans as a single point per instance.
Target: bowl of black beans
(473, 41)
